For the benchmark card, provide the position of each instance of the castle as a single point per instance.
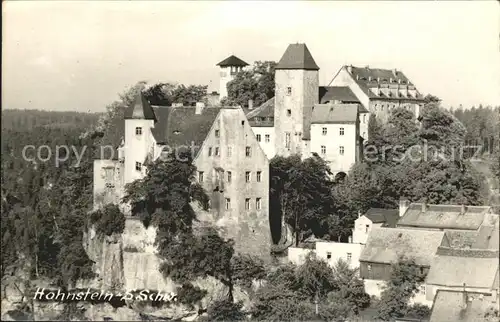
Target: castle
(232, 146)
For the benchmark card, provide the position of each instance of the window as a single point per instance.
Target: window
(369, 267)
(259, 176)
(268, 138)
(200, 176)
(228, 203)
(217, 151)
(324, 131)
(328, 255)
(247, 204)
(382, 107)
(288, 112)
(258, 137)
(364, 134)
(366, 228)
(422, 289)
(247, 176)
(138, 166)
(287, 140)
(349, 257)
(288, 91)
(229, 151)
(248, 151)
(217, 133)
(210, 151)
(257, 203)
(364, 118)
(242, 122)
(229, 176)
(341, 131)
(323, 149)
(341, 150)
(138, 130)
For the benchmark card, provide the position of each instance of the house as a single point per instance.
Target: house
(380, 90)
(231, 165)
(444, 217)
(459, 269)
(385, 246)
(330, 252)
(373, 218)
(459, 306)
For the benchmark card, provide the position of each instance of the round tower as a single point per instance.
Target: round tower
(229, 67)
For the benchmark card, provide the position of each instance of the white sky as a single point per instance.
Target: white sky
(80, 55)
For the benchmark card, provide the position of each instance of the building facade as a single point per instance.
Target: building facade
(229, 67)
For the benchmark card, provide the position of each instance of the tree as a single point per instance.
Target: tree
(255, 84)
(429, 98)
(225, 310)
(351, 288)
(401, 287)
(301, 193)
(108, 220)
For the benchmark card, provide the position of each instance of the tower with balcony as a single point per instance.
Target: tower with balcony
(229, 67)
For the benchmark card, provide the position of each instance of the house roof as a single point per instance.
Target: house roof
(387, 216)
(334, 113)
(362, 76)
(385, 245)
(140, 109)
(452, 306)
(487, 238)
(232, 61)
(297, 56)
(181, 126)
(460, 238)
(262, 115)
(339, 93)
(454, 267)
(444, 217)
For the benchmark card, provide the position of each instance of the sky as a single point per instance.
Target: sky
(65, 55)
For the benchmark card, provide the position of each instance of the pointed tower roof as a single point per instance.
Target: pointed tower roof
(140, 109)
(232, 61)
(297, 56)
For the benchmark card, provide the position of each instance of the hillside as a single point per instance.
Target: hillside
(26, 120)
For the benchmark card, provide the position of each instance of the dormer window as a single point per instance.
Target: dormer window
(138, 130)
(217, 133)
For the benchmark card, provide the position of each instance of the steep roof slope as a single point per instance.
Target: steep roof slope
(297, 56)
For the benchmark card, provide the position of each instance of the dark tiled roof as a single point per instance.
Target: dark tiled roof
(362, 77)
(232, 61)
(338, 93)
(262, 115)
(181, 126)
(452, 306)
(387, 216)
(297, 56)
(385, 245)
(444, 217)
(334, 113)
(140, 109)
(453, 267)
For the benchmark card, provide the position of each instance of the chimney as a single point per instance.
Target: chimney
(359, 213)
(357, 77)
(369, 78)
(404, 204)
(199, 107)
(395, 72)
(250, 104)
(424, 205)
(378, 79)
(349, 69)
(463, 209)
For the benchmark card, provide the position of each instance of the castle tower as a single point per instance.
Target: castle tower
(139, 141)
(229, 67)
(296, 92)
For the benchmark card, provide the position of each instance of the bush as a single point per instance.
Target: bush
(189, 295)
(108, 220)
(246, 269)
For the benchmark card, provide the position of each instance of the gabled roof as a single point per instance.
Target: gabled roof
(297, 56)
(460, 238)
(444, 217)
(261, 116)
(334, 113)
(453, 306)
(232, 61)
(181, 126)
(488, 237)
(454, 267)
(140, 109)
(385, 245)
(387, 216)
(338, 93)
